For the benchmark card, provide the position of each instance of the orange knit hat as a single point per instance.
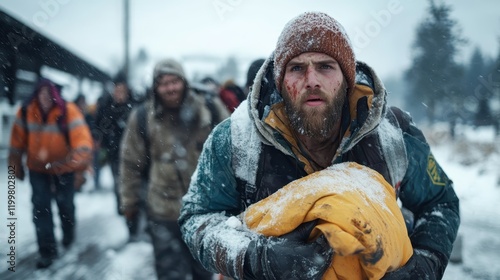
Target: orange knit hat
(314, 32)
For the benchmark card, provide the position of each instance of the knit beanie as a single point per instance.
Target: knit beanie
(168, 66)
(314, 32)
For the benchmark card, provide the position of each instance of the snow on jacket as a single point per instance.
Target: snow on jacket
(45, 144)
(175, 141)
(358, 215)
(230, 166)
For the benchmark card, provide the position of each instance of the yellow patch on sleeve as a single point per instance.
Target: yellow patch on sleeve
(432, 170)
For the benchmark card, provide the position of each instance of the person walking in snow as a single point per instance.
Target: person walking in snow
(57, 141)
(314, 110)
(162, 142)
(110, 122)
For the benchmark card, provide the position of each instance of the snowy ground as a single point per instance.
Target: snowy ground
(472, 161)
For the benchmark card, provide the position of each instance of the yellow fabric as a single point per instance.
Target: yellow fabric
(357, 213)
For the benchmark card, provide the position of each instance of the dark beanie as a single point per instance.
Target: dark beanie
(314, 32)
(252, 71)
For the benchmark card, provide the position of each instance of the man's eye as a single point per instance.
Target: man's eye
(296, 68)
(326, 66)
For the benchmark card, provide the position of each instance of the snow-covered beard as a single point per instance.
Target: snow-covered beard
(313, 122)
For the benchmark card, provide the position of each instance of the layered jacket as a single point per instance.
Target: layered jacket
(252, 155)
(110, 122)
(175, 141)
(42, 138)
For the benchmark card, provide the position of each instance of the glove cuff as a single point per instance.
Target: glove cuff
(256, 265)
(433, 260)
(250, 264)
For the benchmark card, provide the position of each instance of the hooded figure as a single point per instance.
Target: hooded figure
(178, 123)
(57, 142)
(312, 107)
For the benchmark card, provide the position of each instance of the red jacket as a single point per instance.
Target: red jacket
(229, 98)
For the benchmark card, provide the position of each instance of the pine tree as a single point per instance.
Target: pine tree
(475, 70)
(480, 88)
(434, 76)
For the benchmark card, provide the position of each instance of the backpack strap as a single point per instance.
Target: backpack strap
(24, 113)
(24, 116)
(142, 126)
(398, 118)
(62, 123)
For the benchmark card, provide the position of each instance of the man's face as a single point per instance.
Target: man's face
(170, 90)
(314, 91)
(45, 99)
(120, 93)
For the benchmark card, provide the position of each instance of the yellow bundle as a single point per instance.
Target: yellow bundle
(357, 213)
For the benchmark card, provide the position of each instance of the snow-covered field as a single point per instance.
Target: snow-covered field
(472, 161)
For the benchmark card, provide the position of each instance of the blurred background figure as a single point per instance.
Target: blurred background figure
(89, 116)
(162, 142)
(252, 72)
(111, 120)
(229, 93)
(208, 88)
(54, 136)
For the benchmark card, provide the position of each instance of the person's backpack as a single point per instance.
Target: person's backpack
(208, 95)
(62, 122)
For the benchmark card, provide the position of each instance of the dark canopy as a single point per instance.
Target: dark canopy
(23, 48)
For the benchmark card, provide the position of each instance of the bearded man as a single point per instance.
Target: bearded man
(313, 109)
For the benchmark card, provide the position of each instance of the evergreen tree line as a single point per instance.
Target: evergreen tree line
(444, 89)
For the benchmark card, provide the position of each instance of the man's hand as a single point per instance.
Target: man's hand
(422, 265)
(289, 256)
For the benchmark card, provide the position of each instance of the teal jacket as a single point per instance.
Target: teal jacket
(229, 172)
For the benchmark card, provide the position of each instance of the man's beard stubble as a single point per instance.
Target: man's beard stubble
(315, 123)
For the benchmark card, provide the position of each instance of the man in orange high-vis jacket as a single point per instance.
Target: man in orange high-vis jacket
(57, 142)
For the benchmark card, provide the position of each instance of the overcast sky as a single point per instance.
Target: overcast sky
(382, 31)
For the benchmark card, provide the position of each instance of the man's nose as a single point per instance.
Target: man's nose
(312, 78)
